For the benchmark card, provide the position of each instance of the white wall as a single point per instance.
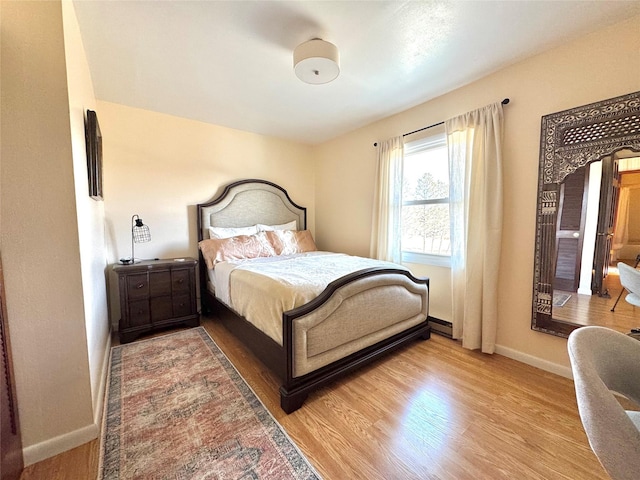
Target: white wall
(55, 299)
(90, 213)
(160, 167)
(601, 65)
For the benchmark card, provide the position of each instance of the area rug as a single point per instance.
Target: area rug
(559, 299)
(177, 408)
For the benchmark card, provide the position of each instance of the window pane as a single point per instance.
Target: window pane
(425, 229)
(426, 175)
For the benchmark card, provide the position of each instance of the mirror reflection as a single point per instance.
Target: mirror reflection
(598, 226)
(587, 216)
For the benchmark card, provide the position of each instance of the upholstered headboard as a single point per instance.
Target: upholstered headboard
(249, 202)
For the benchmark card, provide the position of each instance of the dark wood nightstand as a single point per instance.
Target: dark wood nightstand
(156, 294)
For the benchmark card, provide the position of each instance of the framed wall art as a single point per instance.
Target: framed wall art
(94, 155)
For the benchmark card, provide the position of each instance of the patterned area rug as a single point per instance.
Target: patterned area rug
(178, 409)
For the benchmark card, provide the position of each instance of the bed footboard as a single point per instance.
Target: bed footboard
(355, 320)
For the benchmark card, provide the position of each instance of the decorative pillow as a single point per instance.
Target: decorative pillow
(224, 232)
(216, 250)
(288, 242)
(292, 225)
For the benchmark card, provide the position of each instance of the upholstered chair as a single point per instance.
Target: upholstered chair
(630, 280)
(604, 361)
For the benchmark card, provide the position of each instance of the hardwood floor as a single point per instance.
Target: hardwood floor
(76, 464)
(429, 411)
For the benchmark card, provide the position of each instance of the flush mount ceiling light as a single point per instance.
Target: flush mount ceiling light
(316, 61)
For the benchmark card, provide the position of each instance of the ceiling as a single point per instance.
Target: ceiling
(230, 63)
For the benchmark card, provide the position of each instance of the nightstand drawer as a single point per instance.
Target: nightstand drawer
(181, 305)
(139, 313)
(180, 281)
(137, 286)
(159, 283)
(161, 308)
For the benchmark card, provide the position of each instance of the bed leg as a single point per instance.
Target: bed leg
(426, 335)
(290, 402)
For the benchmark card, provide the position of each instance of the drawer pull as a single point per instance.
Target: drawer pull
(140, 285)
(181, 281)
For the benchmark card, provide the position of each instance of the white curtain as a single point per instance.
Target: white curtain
(475, 168)
(387, 207)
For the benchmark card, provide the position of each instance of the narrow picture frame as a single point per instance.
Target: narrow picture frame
(94, 155)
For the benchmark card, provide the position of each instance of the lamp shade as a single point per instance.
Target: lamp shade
(316, 61)
(140, 231)
(139, 234)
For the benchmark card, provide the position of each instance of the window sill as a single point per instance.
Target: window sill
(426, 259)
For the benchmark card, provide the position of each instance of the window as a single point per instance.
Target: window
(425, 202)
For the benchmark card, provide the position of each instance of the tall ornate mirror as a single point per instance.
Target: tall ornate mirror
(587, 215)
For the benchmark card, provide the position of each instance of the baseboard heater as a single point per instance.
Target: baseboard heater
(441, 327)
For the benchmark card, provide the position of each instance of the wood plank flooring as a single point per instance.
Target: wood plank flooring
(429, 411)
(595, 310)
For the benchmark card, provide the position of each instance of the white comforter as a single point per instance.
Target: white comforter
(261, 289)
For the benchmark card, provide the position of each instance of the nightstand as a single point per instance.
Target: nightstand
(156, 294)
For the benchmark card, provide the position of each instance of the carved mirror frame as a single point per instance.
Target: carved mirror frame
(569, 140)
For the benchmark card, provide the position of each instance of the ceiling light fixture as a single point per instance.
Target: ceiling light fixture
(316, 61)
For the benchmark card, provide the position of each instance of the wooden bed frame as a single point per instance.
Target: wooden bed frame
(249, 202)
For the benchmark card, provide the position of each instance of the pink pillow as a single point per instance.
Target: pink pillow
(288, 242)
(216, 250)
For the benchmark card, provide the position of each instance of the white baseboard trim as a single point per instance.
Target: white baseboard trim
(535, 361)
(53, 446)
(98, 406)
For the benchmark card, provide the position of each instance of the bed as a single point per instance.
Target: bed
(330, 330)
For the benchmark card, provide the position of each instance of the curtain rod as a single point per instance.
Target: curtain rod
(504, 102)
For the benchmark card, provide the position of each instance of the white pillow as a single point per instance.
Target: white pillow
(270, 228)
(224, 232)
